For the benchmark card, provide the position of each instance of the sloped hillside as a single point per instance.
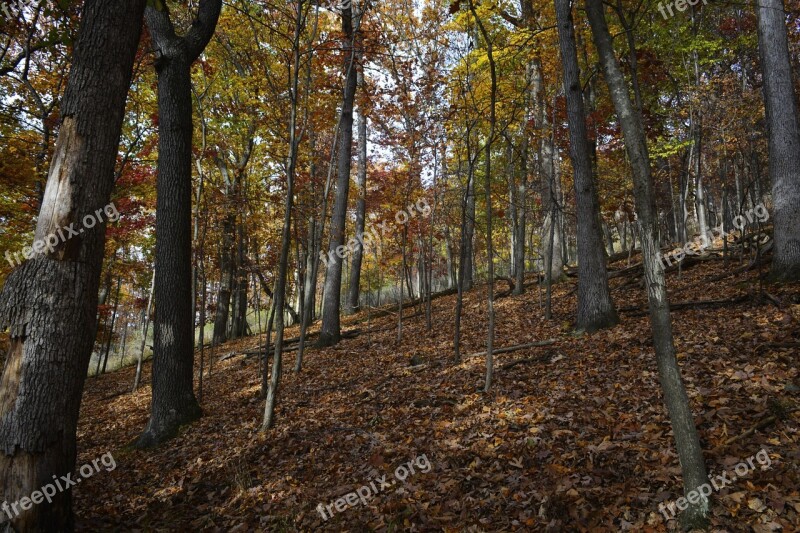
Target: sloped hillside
(573, 436)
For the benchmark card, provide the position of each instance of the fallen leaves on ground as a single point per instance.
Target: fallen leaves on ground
(576, 438)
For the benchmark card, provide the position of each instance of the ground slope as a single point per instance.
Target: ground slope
(573, 436)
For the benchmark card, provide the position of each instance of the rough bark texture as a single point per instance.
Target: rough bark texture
(675, 396)
(174, 403)
(784, 138)
(595, 307)
(331, 332)
(50, 303)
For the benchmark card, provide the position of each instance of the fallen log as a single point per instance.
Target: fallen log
(389, 310)
(636, 311)
(289, 346)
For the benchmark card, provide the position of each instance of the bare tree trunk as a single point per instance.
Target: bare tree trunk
(675, 396)
(468, 253)
(226, 271)
(460, 282)
(283, 266)
(784, 138)
(595, 308)
(361, 206)
(145, 328)
(488, 193)
(549, 186)
(113, 324)
(173, 400)
(123, 348)
(239, 327)
(49, 303)
(331, 331)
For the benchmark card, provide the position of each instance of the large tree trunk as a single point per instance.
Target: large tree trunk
(361, 207)
(595, 307)
(675, 396)
(174, 403)
(331, 333)
(784, 138)
(50, 302)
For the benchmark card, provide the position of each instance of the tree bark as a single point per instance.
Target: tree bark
(50, 303)
(595, 308)
(784, 138)
(331, 331)
(361, 206)
(174, 403)
(675, 396)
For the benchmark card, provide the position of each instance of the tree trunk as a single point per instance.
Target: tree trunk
(174, 403)
(595, 308)
(226, 269)
(145, 329)
(239, 327)
(50, 302)
(784, 138)
(283, 266)
(361, 207)
(113, 324)
(488, 198)
(549, 187)
(331, 332)
(468, 253)
(675, 396)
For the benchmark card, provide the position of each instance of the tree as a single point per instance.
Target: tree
(488, 195)
(595, 307)
(174, 403)
(361, 206)
(286, 235)
(783, 128)
(680, 412)
(50, 302)
(331, 332)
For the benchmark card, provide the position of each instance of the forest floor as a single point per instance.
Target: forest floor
(572, 437)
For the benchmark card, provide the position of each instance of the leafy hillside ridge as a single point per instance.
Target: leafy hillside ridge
(574, 436)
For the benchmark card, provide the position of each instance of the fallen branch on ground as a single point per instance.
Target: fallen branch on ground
(636, 311)
(760, 425)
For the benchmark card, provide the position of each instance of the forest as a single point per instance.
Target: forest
(419, 265)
